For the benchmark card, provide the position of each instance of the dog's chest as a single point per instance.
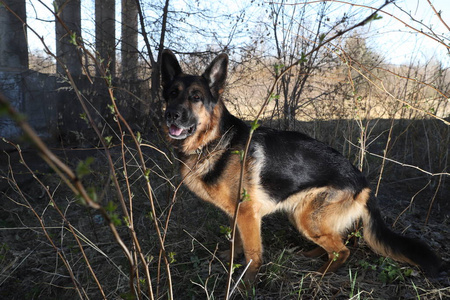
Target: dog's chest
(194, 168)
(221, 190)
(197, 165)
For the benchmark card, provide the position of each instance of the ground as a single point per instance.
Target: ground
(31, 267)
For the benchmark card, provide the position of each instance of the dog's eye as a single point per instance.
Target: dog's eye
(174, 93)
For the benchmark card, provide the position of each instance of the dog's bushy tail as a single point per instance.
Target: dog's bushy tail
(390, 244)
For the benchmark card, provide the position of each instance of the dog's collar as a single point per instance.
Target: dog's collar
(220, 144)
(197, 151)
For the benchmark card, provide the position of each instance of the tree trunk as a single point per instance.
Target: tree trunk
(69, 12)
(105, 29)
(129, 40)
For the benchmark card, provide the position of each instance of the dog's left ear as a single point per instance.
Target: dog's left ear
(170, 68)
(216, 74)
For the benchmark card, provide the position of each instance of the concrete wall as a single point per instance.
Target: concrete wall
(34, 96)
(47, 100)
(54, 111)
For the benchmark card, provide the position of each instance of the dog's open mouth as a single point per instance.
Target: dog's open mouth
(179, 133)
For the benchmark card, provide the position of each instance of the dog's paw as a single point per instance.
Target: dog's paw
(316, 252)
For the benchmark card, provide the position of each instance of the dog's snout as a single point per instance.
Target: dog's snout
(172, 115)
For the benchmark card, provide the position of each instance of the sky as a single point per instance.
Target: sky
(388, 35)
(402, 43)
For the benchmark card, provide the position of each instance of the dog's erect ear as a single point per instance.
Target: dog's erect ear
(169, 67)
(216, 74)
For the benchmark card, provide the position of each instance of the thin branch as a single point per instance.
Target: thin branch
(438, 14)
(63, 217)
(144, 35)
(402, 164)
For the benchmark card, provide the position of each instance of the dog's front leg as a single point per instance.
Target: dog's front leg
(249, 226)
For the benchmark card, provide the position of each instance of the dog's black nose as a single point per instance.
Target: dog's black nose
(172, 115)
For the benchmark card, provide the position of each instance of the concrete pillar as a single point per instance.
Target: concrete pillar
(13, 41)
(69, 11)
(105, 29)
(129, 39)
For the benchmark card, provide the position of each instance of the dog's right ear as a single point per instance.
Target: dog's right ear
(216, 74)
(170, 67)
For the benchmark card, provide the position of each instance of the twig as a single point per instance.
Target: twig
(410, 203)
(240, 277)
(76, 284)
(383, 163)
(402, 164)
(432, 200)
(63, 217)
(438, 14)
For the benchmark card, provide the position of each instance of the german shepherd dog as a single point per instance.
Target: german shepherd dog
(321, 191)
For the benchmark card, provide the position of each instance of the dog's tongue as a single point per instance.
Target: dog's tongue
(174, 130)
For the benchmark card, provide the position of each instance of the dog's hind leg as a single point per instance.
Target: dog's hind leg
(316, 252)
(316, 218)
(337, 252)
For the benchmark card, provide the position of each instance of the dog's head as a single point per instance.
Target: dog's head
(191, 100)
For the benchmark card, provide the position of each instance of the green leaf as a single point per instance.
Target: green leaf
(147, 174)
(254, 125)
(92, 194)
(108, 79)
(149, 258)
(138, 137)
(55, 6)
(83, 116)
(240, 153)
(83, 167)
(111, 207)
(226, 231)
(321, 38)
(335, 255)
(171, 256)
(302, 58)
(236, 266)
(108, 140)
(142, 281)
(278, 68)
(111, 108)
(374, 18)
(80, 199)
(115, 219)
(150, 215)
(245, 195)
(274, 96)
(73, 38)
